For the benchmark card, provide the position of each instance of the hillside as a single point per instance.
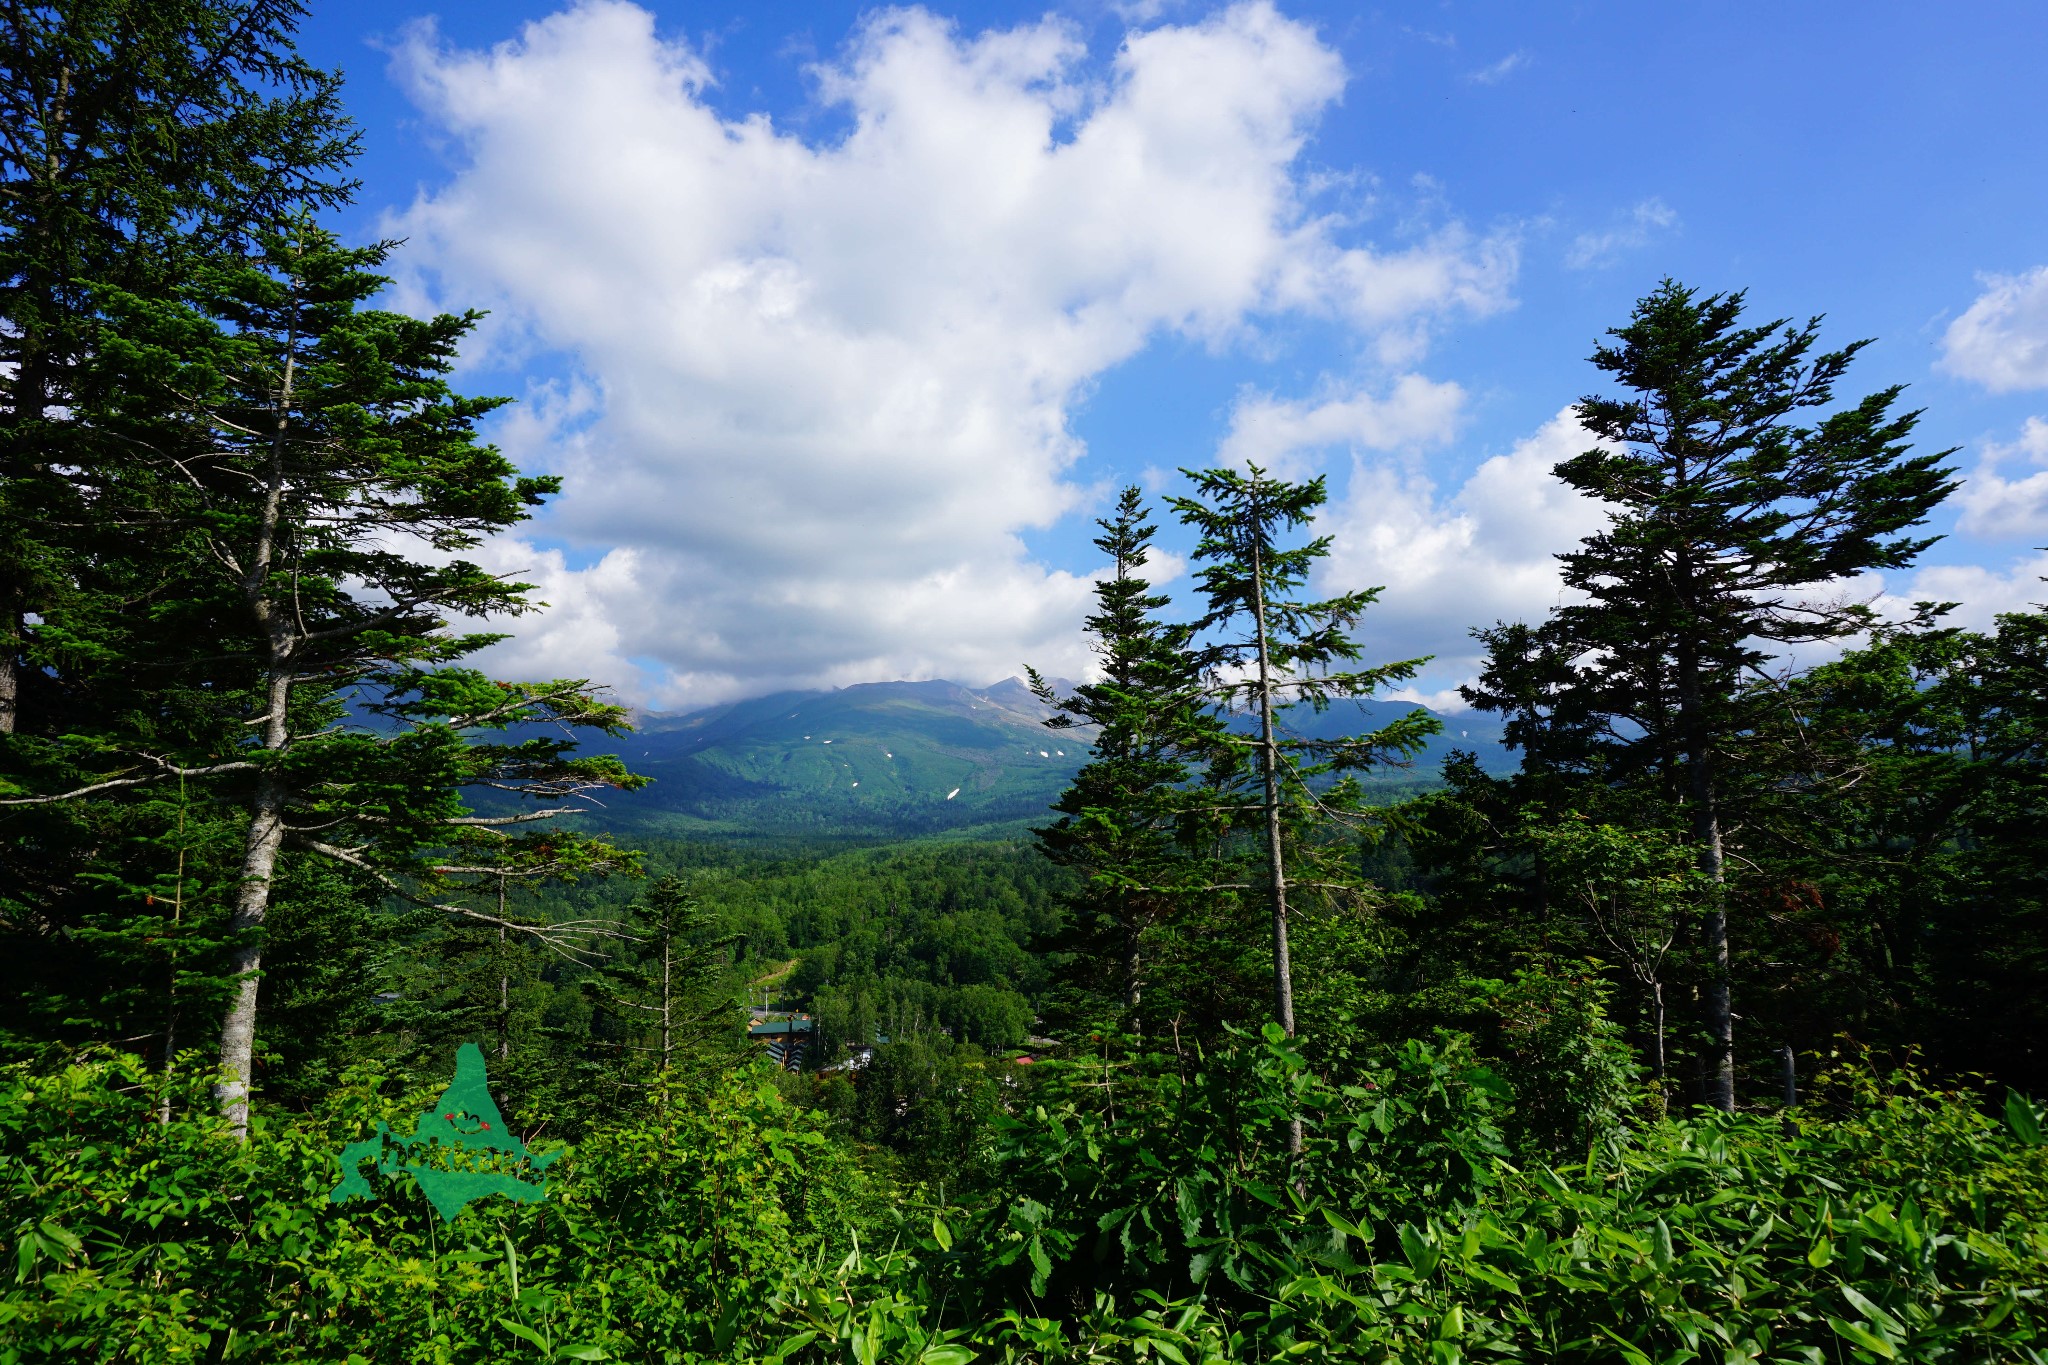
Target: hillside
(894, 758)
(879, 758)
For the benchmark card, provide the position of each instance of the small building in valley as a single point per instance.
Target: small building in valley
(786, 1039)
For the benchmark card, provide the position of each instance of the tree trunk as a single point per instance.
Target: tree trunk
(504, 1000)
(1657, 1013)
(1133, 986)
(504, 979)
(171, 983)
(1706, 830)
(252, 902)
(1276, 866)
(11, 640)
(668, 953)
(267, 805)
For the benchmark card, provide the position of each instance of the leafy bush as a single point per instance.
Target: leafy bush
(1912, 1228)
(1137, 1213)
(675, 1235)
(1573, 1073)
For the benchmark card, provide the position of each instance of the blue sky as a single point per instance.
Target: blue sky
(842, 323)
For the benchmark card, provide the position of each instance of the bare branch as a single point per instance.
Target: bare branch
(565, 938)
(165, 770)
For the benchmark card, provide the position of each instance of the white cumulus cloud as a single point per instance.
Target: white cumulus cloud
(1280, 435)
(1981, 592)
(1996, 506)
(2001, 340)
(820, 388)
(1482, 552)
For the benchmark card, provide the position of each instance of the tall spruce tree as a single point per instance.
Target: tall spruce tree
(330, 481)
(138, 138)
(1266, 649)
(1127, 822)
(1734, 514)
(669, 1001)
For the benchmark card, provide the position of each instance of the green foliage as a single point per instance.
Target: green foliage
(686, 1237)
(1131, 822)
(241, 752)
(1908, 1226)
(1573, 1074)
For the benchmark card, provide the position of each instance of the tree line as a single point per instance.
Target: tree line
(1755, 857)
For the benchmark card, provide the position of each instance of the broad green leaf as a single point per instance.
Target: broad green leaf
(1486, 1274)
(1630, 1352)
(942, 1234)
(584, 1352)
(1871, 1311)
(59, 1235)
(523, 1332)
(1864, 1337)
(1422, 1257)
(1660, 1247)
(1041, 1265)
(792, 1344)
(2021, 1118)
(1343, 1224)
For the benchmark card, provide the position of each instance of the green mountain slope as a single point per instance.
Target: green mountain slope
(906, 758)
(895, 758)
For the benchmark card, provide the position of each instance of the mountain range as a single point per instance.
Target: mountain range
(906, 758)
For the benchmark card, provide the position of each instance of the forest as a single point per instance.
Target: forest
(1712, 1031)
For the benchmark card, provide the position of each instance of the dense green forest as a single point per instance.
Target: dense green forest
(1709, 1031)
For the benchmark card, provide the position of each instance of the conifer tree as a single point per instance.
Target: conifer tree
(667, 998)
(1127, 821)
(137, 139)
(1734, 514)
(330, 480)
(1266, 650)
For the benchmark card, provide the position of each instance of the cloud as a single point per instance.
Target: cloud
(819, 389)
(1280, 435)
(1484, 553)
(1500, 70)
(2001, 340)
(1981, 592)
(1996, 507)
(1596, 250)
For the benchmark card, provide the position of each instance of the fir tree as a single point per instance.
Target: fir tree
(315, 441)
(667, 999)
(1732, 513)
(138, 139)
(1127, 821)
(1267, 649)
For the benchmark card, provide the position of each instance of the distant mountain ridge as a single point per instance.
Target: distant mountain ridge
(901, 758)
